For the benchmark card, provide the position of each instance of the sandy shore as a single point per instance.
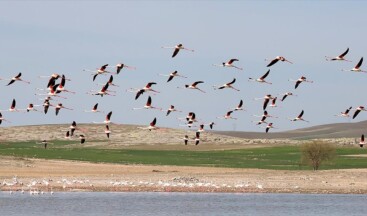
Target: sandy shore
(53, 175)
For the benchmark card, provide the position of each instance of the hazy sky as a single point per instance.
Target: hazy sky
(65, 37)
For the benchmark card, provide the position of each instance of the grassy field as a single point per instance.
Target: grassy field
(280, 157)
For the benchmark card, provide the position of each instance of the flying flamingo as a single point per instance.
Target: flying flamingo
(197, 138)
(239, 106)
(345, 114)
(190, 118)
(261, 121)
(194, 86)
(227, 85)
(82, 138)
(270, 125)
(16, 78)
(177, 49)
(357, 67)
(61, 86)
(147, 88)
(94, 109)
(12, 107)
(46, 105)
(227, 116)
(358, 110)
(281, 58)
(261, 79)
(300, 80)
(299, 117)
(53, 92)
(148, 105)
(172, 75)
(229, 64)
(2, 118)
(102, 92)
(107, 131)
(31, 107)
(67, 135)
(201, 128)
(151, 126)
(120, 66)
(266, 98)
(107, 119)
(285, 95)
(339, 57)
(186, 139)
(171, 109)
(266, 115)
(362, 142)
(59, 106)
(101, 70)
(273, 101)
(72, 128)
(211, 124)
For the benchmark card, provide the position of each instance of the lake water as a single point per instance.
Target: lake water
(171, 204)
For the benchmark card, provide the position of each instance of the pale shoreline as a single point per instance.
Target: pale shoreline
(57, 175)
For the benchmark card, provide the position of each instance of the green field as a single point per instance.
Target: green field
(280, 158)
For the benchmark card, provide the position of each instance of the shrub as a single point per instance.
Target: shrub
(316, 152)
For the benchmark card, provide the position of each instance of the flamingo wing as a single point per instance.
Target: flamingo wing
(272, 62)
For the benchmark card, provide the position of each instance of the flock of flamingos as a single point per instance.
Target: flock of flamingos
(54, 89)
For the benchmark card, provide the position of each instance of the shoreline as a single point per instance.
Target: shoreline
(44, 176)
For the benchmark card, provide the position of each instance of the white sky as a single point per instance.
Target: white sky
(65, 37)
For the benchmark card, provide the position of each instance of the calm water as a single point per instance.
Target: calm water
(159, 204)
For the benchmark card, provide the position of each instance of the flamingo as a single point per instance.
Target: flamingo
(266, 98)
(72, 129)
(345, 114)
(120, 66)
(67, 135)
(102, 92)
(362, 142)
(177, 49)
(53, 92)
(16, 78)
(300, 80)
(229, 64)
(46, 105)
(339, 57)
(82, 138)
(261, 121)
(276, 59)
(194, 86)
(151, 126)
(171, 109)
(357, 67)
(273, 101)
(270, 125)
(285, 95)
(101, 70)
(12, 107)
(227, 85)
(172, 75)
(239, 107)
(227, 116)
(197, 138)
(94, 109)
(211, 124)
(148, 105)
(2, 118)
(147, 88)
(186, 139)
(107, 131)
(201, 128)
(299, 117)
(61, 86)
(107, 119)
(262, 78)
(190, 118)
(358, 110)
(59, 106)
(44, 143)
(266, 115)
(31, 107)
